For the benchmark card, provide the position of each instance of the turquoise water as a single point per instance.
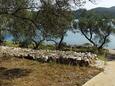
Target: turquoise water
(78, 39)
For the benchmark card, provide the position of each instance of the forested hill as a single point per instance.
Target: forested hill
(99, 10)
(102, 10)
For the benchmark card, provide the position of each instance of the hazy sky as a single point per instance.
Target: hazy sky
(100, 3)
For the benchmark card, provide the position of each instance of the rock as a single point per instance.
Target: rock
(63, 57)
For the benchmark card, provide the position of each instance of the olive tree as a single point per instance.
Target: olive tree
(95, 28)
(54, 16)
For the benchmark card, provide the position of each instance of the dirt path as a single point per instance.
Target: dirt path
(106, 78)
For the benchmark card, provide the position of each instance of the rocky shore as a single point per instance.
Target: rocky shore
(63, 57)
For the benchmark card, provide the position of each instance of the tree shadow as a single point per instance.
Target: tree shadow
(13, 73)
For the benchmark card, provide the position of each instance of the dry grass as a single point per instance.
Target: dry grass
(23, 72)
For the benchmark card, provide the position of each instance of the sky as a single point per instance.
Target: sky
(100, 3)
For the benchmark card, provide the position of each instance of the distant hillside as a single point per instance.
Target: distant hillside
(107, 11)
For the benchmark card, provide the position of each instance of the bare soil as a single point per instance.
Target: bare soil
(23, 72)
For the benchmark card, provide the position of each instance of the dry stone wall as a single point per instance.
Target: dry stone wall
(63, 57)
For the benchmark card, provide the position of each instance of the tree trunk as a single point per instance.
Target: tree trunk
(89, 38)
(1, 42)
(104, 41)
(37, 44)
(60, 43)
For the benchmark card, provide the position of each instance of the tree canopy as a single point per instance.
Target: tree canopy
(39, 20)
(96, 28)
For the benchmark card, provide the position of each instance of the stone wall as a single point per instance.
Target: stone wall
(63, 57)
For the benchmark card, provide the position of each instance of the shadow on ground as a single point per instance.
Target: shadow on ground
(6, 75)
(13, 73)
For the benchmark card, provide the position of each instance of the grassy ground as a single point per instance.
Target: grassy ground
(23, 72)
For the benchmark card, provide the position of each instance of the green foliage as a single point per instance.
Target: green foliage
(51, 19)
(55, 20)
(96, 28)
(8, 43)
(47, 47)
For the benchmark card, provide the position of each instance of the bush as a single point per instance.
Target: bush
(8, 43)
(49, 47)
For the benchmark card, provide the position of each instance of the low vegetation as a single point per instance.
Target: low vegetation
(23, 72)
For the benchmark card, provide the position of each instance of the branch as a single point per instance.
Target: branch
(28, 19)
(87, 37)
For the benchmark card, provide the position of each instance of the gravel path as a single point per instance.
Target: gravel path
(106, 78)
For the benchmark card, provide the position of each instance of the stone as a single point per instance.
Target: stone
(63, 57)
